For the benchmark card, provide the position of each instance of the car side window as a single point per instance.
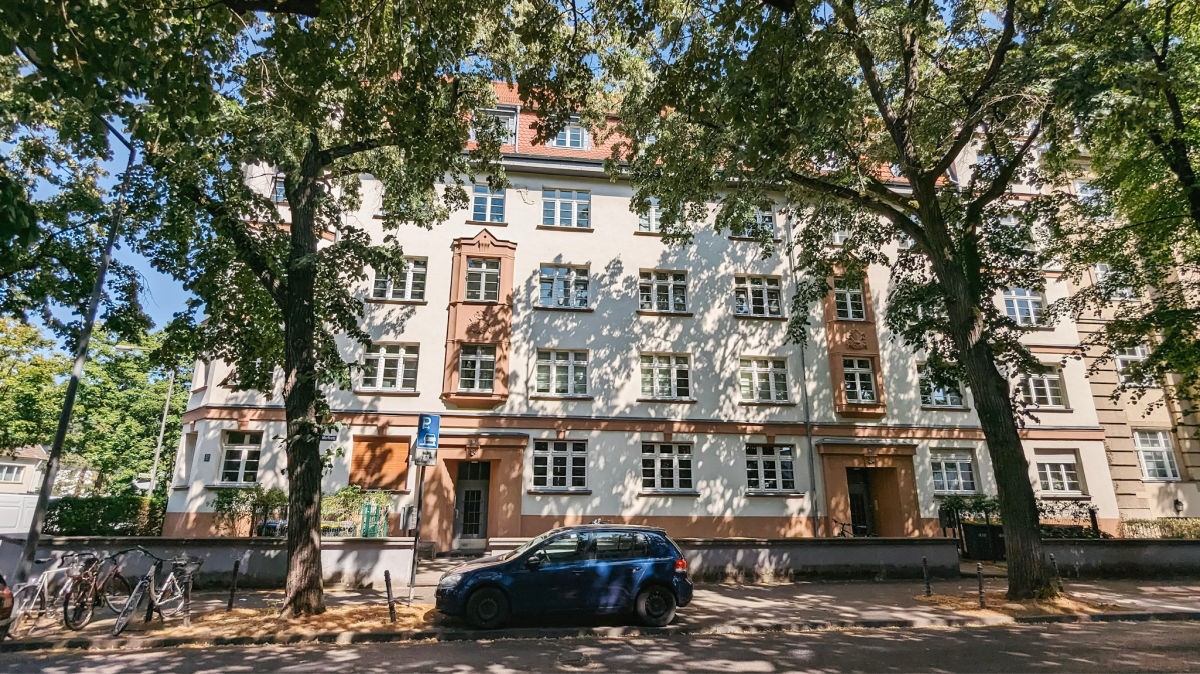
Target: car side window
(567, 548)
(617, 545)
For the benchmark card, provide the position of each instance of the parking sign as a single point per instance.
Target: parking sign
(428, 429)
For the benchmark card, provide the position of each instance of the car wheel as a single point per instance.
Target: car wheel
(487, 608)
(656, 606)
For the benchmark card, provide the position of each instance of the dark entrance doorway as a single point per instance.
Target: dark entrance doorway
(862, 506)
(471, 506)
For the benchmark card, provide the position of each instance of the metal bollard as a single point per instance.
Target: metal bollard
(925, 571)
(187, 602)
(979, 574)
(387, 582)
(237, 565)
(1057, 575)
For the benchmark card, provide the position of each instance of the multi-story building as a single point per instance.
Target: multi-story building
(585, 369)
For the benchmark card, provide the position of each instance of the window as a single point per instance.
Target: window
(1042, 390)
(666, 466)
(614, 545)
(770, 468)
(848, 301)
(859, 375)
(757, 296)
(1132, 357)
(1155, 454)
(839, 237)
(509, 119)
(1023, 306)
(560, 464)
(648, 221)
(483, 279)
(573, 136)
(663, 291)
(477, 368)
(562, 373)
(565, 549)
(240, 464)
(566, 208)
(390, 367)
(953, 472)
(763, 380)
(1120, 293)
(561, 286)
(939, 396)
(487, 204)
(665, 376)
(763, 225)
(279, 190)
(410, 286)
(1058, 473)
(11, 473)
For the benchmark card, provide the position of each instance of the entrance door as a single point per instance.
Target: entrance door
(862, 512)
(471, 506)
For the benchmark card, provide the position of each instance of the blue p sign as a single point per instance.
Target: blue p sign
(428, 428)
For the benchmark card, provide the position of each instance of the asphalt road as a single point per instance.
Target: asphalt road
(1107, 647)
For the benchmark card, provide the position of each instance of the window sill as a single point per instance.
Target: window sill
(668, 492)
(1161, 480)
(200, 389)
(946, 408)
(231, 485)
(474, 399)
(776, 494)
(487, 223)
(757, 317)
(386, 392)
(644, 233)
(562, 228)
(944, 494)
(1034, 408)
(482, 303)
(380, 300)
(551, 396)
(680, 314)
(684, 401)
(1065, 496)
(578, 310)
(752, 239)
(840, 319)
(767, 403)
(559, 492)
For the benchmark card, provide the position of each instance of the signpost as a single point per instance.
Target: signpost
(429, 427)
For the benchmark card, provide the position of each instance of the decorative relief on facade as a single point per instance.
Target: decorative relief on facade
(857, 339)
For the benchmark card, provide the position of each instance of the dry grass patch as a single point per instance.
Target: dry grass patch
(257, 622)
(1060, 605)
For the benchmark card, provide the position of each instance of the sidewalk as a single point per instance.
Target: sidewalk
(716, 609)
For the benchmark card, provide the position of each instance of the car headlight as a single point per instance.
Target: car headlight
(450, 580)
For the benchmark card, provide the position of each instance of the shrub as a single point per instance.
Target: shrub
(104, 516)
(1163, 527)
(233, 506)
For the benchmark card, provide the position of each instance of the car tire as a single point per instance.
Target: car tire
(656, 605)
(487, 608)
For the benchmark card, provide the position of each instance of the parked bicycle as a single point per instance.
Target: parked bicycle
(168, 598)
(845, 529)
(34, 599)
(99, 581)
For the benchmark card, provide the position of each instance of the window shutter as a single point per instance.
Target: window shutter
(380, 463)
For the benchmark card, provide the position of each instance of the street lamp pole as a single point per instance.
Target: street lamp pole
(162, 428)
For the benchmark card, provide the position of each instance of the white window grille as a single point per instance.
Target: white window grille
(665, 376)
(949, 395)
(1023, 306)
(666, 466)
(573, 137)
(566, 208)
(562, 373)
(508, 118)
(278, 190)
(1059, 474)
(1131, 357)
(487, 205)
(11, 473)
(483, 279)
(1156, 455)
(477, 368)
(763, 379)
(648, 221)
(661, 290)
(562, 286)
(848, 301)
(770, 468)
(757, 296)
(953, 472)
(560, 465)
(1042, 390)
(239, 464)
(859, 375)
(391, 367)
(410, 286)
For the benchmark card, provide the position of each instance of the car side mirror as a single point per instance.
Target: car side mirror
(534, 563)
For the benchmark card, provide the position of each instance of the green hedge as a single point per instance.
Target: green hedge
(104, 516)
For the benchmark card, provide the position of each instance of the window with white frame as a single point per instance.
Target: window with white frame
(1058, 473)
(508, 120)
(848, 301)
(763, 224)
(665, 376)
(278, 190)
(11, 473)
(839, 237)
(757, 296)
(662, 290)
(1156, 455)
(390, 367)
(946, 395)
(409, 286)
(666, 466)
(1023, 306)
(1131, 357)
(477, 368)
(573, 136)
(763, 379)
(239, 464)
(1043, 389)
(562, 373)
(566, 208)
(483, 279)
(1120, 293)
(953, 472)
(648, 221)
(859, 375)
(487, 204)
(563, 286)
(770, 468)
(560, 465)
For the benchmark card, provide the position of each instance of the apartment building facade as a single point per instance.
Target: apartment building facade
(585, 369)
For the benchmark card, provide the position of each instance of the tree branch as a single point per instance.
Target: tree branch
(893, 214)
(248, 249)
(330, 155)
(848, 15)
(999, 185)
(300, 7)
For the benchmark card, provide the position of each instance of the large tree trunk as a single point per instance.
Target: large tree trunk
(304, 593)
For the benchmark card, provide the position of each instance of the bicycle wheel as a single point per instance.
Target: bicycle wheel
(23, 599)
(80, 604)
(131, 606)
(115, 592)
(170, 598)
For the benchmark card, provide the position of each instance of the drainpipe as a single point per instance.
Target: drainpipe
(808, 434)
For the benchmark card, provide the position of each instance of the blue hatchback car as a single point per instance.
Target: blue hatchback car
(595, 568)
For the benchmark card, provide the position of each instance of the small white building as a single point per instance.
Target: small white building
(21, 471)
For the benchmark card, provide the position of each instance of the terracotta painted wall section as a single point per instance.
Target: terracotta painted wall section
(854, 339)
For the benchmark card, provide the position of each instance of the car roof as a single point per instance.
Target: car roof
(611, 527)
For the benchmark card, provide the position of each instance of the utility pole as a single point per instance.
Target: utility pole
(162, 429)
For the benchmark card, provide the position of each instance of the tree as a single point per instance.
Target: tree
(30, 393)
(867, 114)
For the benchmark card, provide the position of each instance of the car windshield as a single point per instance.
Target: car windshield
(528, 545)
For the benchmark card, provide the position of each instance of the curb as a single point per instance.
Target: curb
(345, 638)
